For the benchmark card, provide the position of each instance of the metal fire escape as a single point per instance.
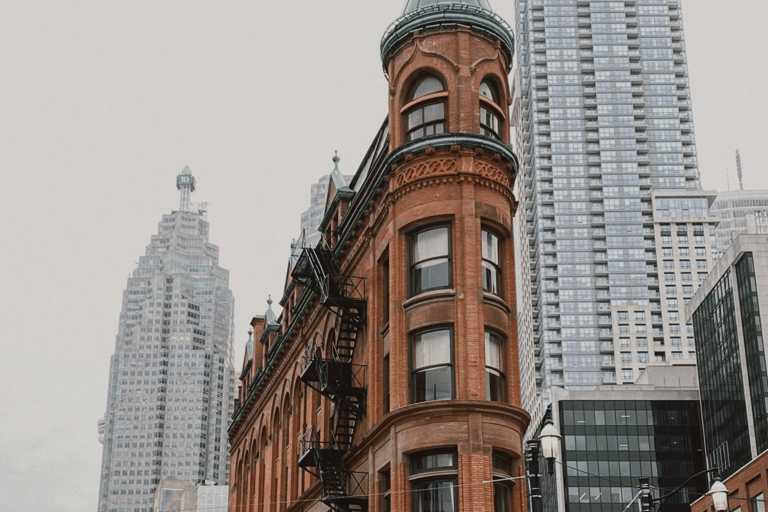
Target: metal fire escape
(337, 379)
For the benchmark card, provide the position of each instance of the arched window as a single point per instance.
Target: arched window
(425, 109)
(489, 110)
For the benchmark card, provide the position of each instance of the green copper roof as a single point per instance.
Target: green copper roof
(435, 15)
(414, 5)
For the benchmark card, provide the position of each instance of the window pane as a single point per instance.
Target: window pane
(434, 384)
(439, 496)
(426, 85)
(433, 112)
(430, 244)
(431, 274)
(488, 91)
(492, 351)
(490, 247)
(432, 348)
(415, 118)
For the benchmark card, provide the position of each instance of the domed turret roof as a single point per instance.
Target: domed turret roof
(435, 15)
(414, 5)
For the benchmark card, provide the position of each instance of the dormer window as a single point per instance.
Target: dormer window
(425, 108)
(489, 110)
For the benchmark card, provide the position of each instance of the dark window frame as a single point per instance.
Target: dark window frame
(416, 372)
(412, 262)
(424, 127)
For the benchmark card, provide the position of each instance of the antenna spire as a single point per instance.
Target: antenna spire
(738, 170)
(185, 183)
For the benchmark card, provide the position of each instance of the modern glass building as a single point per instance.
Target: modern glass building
(603, 120)
(614, 436)
(727, 320)
(171, 381)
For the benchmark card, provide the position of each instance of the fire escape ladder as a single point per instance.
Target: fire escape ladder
(338, 380)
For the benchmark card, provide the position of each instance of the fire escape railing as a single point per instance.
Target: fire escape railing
(337, 379)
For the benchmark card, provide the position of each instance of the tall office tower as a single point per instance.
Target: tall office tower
(171, 380)
(603, 117)
(310, 219)
(728, 313)
(737, 210)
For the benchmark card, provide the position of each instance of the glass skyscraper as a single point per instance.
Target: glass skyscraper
(603, 121)
(171, 381)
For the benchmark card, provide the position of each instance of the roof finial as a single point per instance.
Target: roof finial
(269, 301)
(336, 161)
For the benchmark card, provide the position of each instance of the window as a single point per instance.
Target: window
(426, 117)
(685, 264)
(669, 264)
(624, 342)
(639, 316)
(430, 259)
(495, 382)
(674, 328)
(671, 303)
(489, 117)
(623, 316)
(682, 239)
(642, 357)
(640, 329)
(666, 251)
(626, 357)
(502, 489)
(490, 255)
(687, 289)
(686, 276)
(700, 251)
(676, 342)
(677, 355)
(385, 384)
(684, 251)
(626, 374)
(701, 276)
(671, 290)
(385, 490)
(432, 365)
(385, 292)
(642, 342)
(673, 315)
(701, 263)
(669, 276)
(434, 482)
(659, 357)
(624, 329)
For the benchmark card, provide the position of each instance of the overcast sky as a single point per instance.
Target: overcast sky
(103, 103)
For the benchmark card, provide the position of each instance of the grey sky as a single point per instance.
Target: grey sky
(103, 103)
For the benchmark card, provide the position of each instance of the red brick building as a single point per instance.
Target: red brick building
(390, 380)
(747, 489)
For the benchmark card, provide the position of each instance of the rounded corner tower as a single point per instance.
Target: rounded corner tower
(452, 331)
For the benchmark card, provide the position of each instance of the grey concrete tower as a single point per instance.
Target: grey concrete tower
(171, 380)
(602, 112)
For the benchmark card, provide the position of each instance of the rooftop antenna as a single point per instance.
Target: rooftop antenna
(185, 183)
(738, 170)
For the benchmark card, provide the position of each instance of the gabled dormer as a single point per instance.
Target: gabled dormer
(338, 198)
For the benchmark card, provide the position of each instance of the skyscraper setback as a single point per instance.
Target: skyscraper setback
(171, 381)
(603, 117)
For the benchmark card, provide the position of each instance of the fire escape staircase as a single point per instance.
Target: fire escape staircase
(337, 379)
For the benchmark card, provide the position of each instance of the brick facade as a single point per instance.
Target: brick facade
(747, 489)
(458, 180)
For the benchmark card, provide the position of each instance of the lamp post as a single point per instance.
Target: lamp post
(719, 495)
(548, 445)
(718, 491)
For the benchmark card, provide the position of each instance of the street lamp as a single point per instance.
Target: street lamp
(718, 492)
(719, 495)
(549, 439)
(548, 444)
